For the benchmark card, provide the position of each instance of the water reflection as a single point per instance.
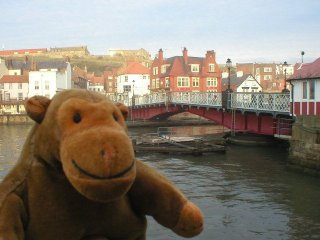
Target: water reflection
(246, 193)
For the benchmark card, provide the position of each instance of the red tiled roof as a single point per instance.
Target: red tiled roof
(99, 80)
(14, 79)
(307, 70)
(134, 68)
(22, 51)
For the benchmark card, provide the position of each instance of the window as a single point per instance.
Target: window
(167, 83)
(311, 89)
(1, 85)
(257, 71)
(144, 77)
(183, 82)
(153, 83)
(46, 85)
(267, 69)
(20, 96)
(163, 69)
(195, 82)
(19, 85)
(304, 90)
(10, 85)
(126, 78)
(155, 70)
(36, 85)
(194, 67)
(211, 67)
(126, 88)
(267, 77)
(211, 82)
(110, 84)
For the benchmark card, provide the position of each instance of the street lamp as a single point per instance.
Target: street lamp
(229, 65)
(285, 65)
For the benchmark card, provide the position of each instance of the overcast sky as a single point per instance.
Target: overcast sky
(245, 31)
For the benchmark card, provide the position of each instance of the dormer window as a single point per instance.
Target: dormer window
(211, 67)
(194, 67)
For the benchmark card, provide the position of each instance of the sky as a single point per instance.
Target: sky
(243, 30)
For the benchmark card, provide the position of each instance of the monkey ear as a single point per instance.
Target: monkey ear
(36, 107)
(124, 110)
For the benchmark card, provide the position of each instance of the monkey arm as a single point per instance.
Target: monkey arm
(153, 194)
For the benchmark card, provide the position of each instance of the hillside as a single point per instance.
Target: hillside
(96, 64)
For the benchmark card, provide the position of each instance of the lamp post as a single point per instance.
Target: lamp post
(285, 65)
(229, 65)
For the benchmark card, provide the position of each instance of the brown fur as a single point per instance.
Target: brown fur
(77, 178)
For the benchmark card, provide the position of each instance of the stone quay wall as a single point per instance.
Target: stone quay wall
(305, 144)
(15, 119)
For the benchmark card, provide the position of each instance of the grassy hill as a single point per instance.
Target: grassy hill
(96, 64)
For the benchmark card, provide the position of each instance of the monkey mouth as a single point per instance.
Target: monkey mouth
(91, 175)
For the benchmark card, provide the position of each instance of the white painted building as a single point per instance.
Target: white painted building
(133, 79)
(13, 87)
(242, 83)
(49, 78)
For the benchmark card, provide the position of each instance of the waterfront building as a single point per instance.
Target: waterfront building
(271, 76)
(306, 89)
(79, 78)
(185, 73)
(240, 82)
(13, 87)
(48, 78)
(13, 90)
(110, 77)
(96, 83)
(133, 78)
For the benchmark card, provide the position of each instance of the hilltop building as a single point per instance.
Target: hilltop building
(141, 55)
(69, 51)
(23, 52)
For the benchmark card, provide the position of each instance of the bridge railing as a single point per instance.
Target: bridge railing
(154, 98)
(269, 102)
(197, 98)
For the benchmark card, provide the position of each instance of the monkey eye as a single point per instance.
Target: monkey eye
(77, 117)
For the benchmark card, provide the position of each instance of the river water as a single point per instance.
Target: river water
(246, 193)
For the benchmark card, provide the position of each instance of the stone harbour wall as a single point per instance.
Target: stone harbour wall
(305, 144)
(15, 119)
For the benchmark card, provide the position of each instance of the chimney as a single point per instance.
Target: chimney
(210, 54)
(185, 55)
(33, 65)
(160, 56)
(10, 64)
